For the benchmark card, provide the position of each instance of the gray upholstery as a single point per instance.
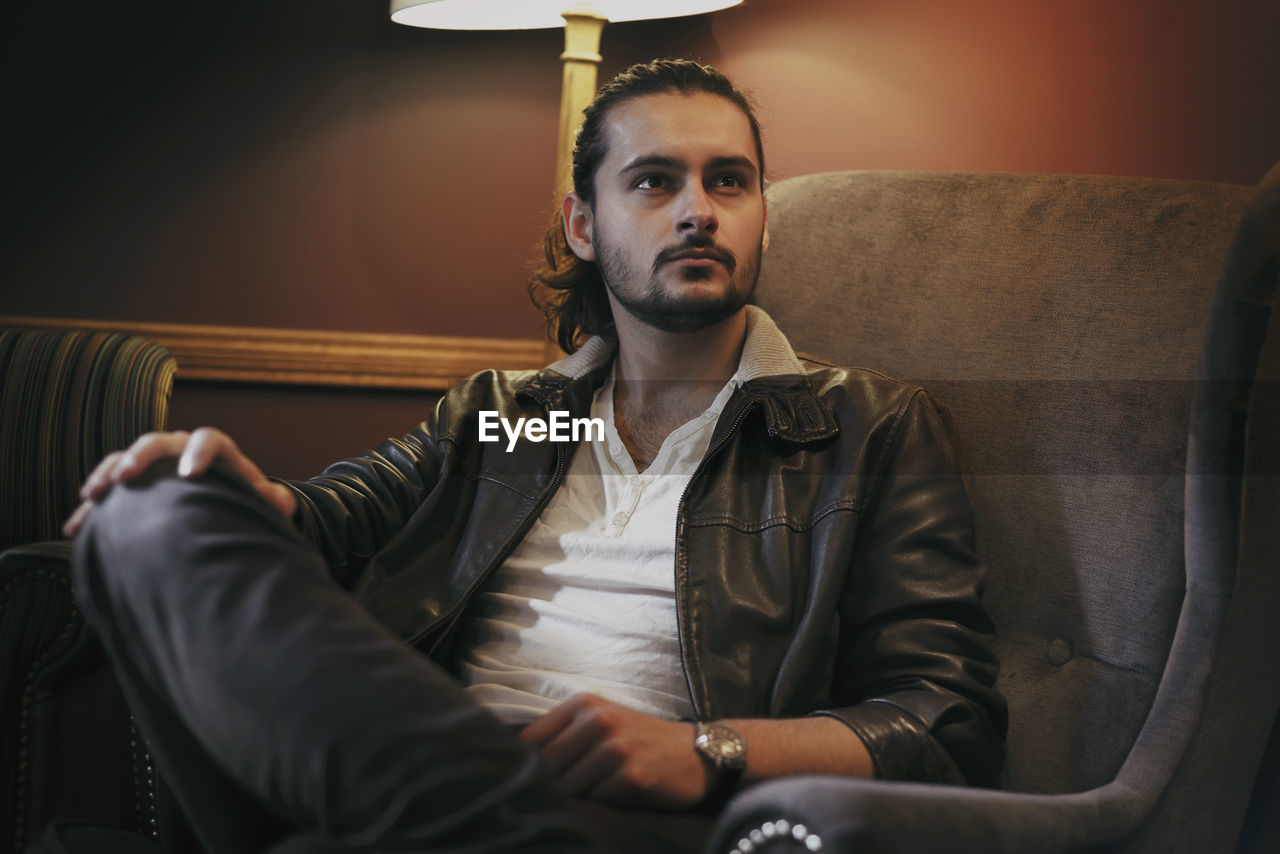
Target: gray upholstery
(1064, 320)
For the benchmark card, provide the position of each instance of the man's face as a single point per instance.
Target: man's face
(678, 225)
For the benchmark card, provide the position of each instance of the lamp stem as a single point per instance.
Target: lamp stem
(581, 58)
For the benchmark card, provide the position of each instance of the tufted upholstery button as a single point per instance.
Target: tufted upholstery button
(1060, 652)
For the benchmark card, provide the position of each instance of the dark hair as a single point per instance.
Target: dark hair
(569, 291)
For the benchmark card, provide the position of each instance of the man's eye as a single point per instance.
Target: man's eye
(652, 182)
(730, 181)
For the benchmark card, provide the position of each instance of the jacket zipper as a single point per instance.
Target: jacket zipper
(449, 619)
(724, 440)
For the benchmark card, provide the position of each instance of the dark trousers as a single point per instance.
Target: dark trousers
(285, 718)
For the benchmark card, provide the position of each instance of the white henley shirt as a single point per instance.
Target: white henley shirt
(586, 602)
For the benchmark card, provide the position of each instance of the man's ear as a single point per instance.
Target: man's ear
(578, 225)
(764, 240)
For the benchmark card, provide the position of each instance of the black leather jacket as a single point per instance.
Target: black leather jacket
(823, 560)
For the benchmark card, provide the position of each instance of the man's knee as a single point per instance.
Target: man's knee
(138, 516)
(149, 529)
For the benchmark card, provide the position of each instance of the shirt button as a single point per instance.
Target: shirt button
(619, 519)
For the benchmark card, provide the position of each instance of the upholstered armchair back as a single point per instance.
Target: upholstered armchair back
(67, 399)
(1061, 319)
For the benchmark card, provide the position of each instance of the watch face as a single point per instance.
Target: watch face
(730, 749)
(722, 744)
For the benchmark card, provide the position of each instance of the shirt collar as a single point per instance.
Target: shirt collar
(765, 353)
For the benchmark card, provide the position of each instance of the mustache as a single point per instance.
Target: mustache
(701, 242)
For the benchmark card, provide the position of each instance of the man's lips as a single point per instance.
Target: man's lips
(700, 257)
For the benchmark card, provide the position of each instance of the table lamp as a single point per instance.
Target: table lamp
(582, 22)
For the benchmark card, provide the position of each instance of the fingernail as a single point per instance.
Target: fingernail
(184, 467)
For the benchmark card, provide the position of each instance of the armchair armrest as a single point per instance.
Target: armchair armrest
(67, 746)
(841, 814)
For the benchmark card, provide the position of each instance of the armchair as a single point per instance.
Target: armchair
(67, 746)
(1122, 421)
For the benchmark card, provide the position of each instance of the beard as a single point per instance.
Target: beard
(673, 309)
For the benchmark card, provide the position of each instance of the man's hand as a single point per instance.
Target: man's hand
(195, 451)
(603, 751)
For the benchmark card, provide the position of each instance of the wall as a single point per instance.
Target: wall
(1162, 88)
(308, 164)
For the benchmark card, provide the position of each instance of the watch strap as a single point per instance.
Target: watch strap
(724, 784)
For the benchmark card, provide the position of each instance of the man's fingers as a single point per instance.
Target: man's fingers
(569, 732)
(599, 749)
(203, 447)
(195, 452)
(568, 746)
(586, 742)
(76, 519)
(101, 478)
(139, 456)
(592, 772)
(549, 725)
(208, 444)
(122, 466)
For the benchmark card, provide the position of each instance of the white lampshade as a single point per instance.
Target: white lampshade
(538, 14)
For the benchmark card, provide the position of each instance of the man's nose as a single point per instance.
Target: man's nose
(697, 212)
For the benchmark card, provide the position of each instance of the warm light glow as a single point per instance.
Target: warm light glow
(538, 14)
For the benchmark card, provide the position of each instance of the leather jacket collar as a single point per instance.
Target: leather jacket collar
(771, 376)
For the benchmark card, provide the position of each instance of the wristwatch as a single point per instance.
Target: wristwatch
(726, 750)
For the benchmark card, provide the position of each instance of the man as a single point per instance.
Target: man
(765, 567)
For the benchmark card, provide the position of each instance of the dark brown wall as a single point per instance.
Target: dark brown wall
(295, 432)
(308, 164)
(1163, 88)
